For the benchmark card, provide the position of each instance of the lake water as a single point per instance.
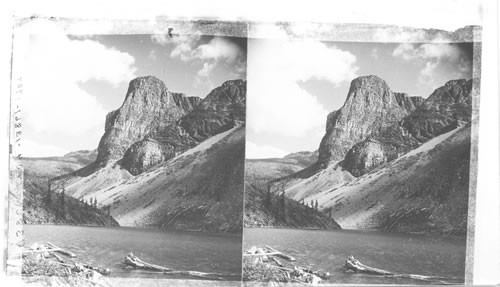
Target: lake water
(327, 250)
(108, 246)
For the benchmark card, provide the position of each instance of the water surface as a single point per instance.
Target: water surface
(108, 246)
(327, 250)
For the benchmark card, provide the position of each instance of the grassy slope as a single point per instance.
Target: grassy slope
(424, 191)
(257, 174)
(325, 179)
(37, 209)
(201, 189)
(297, 215)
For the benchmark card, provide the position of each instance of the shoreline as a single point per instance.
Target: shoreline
(235, 234)
(419, 234)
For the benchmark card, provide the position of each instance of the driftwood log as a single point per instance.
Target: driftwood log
(135, 262)
(80, 271)
(352, 264)
(280, 254)
(290, 272)
(62, 251)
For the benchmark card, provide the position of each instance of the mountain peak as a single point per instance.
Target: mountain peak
(370, 106)
(368, 79)
(453, 92)
(154, 124)
(147, 86)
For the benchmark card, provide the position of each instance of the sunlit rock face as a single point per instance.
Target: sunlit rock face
(154, 124)
(445, 109)
(370, 107)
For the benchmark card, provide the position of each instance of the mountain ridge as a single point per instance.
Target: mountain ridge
(363, 137)
(158, 130)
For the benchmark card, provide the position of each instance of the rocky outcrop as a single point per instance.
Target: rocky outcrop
(148, 106)
(198, 190)
(221, 110)
(370, 107)
(186, 103)
(154, 124)
(367, 155)
(445, 109)
(426, 191)
(143, 155)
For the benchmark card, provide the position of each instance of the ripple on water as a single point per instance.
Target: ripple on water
(327, 250)
(103, 246)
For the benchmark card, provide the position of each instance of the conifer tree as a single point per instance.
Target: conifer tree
(61, 205)
(48, 198)
(283, 204)
(267, 200)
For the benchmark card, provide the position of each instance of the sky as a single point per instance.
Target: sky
(294, 84)
(72, 82)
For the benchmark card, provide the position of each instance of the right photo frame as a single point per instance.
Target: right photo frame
(361, 154)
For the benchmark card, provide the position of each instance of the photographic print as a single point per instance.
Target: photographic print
(358, 157)
(132, 152)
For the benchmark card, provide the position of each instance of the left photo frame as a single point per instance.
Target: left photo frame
(127, 152)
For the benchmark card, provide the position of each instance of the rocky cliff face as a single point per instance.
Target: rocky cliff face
(154, 124)
(445, 109)
(392, 162)
(367, 155)
(148, 106)
(221, 110)
(170, 161)
(370, 107)
(424, 191)
(186, 103)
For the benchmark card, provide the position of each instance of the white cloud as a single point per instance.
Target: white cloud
(433, 55)
(183, 46)
(54, 67)
(253, 151)
(217, 51)
(276, 104)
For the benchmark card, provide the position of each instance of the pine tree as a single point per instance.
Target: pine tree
(95, 202)
(316, 205)
(267, 200)
(48, 198)
(283, 206)
(62, 207)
